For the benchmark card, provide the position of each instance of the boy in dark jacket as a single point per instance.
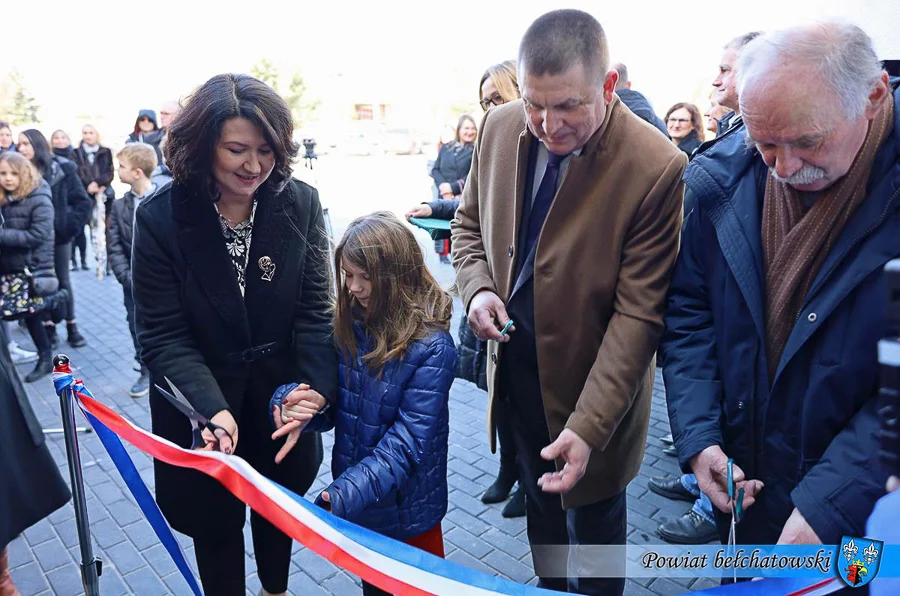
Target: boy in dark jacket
(136, 163)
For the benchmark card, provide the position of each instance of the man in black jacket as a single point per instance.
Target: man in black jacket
(136, 163)
(636, 101)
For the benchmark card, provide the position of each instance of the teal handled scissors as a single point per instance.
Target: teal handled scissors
(737, 507)
(198, 420)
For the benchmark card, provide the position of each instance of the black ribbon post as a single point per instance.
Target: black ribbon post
(91, 567)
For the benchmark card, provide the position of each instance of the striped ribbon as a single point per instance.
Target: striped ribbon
(389, 564)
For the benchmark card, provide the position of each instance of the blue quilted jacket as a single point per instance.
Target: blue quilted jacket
(390, 437)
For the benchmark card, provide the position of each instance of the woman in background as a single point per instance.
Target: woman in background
(6, 138)
(498, 85)
(60, 144)
(95, 170)
(685, 126)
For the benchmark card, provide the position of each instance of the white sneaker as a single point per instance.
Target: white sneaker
(20, 356)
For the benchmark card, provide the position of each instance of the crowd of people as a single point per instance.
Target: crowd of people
(589, 238)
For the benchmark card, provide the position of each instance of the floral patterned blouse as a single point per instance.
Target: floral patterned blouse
(237, 241)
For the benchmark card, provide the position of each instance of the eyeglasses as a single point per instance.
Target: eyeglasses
(493, 100)
(680, 120)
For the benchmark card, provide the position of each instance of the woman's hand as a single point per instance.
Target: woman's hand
(423, 210)
(93, 188)
(221, 441)
(298, 408)
(445, 189)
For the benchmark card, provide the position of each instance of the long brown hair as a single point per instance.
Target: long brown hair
(406, 302)
(29, 179)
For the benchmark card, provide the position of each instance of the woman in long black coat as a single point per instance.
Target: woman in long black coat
(227, 322)
(31, 487)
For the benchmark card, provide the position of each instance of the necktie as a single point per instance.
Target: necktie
(542, 200)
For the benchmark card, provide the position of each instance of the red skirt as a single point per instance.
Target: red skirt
(431, 541)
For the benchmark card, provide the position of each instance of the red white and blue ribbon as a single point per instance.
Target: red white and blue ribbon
(391, 565)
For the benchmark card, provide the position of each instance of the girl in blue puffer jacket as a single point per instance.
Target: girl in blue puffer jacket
(397, 362)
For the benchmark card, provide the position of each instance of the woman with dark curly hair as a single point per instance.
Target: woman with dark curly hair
(232, 295)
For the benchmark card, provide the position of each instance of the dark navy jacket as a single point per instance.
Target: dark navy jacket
(391, 437)
(811, 434)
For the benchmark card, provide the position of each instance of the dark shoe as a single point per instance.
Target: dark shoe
(84, 266)
(76, 340)
(671, 488)
(74, 267)
(690, 528)
(516, 505)
(142, 386)
(52, 336)
(42, 369)
(670, 451)
(667, 439)
(499, 490)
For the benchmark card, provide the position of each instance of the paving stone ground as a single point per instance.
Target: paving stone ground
(44, 559)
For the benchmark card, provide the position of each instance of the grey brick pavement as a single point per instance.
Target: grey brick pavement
(43, 560)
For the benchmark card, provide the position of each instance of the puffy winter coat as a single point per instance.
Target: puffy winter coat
(391, 437)
(26, 237)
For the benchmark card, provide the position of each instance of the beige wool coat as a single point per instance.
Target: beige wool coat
(601, 272)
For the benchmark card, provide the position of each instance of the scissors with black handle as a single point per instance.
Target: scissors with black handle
(199, 422)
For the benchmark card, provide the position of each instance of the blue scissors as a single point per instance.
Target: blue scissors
(198, 420)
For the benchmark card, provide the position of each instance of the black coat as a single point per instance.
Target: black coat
(121, 233)
(101, 171)
(26, 238)
(452, 165)
(196, 329)
(690, 143)
(71, 203)
(31, 487)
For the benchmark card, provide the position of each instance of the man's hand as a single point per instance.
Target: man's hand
(711, 468)
(575, 452)
(797, 531)
(486, 308)
(93, 188)
(423, 210)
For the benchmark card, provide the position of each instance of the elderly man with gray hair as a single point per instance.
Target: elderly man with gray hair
(775, 308)
(569, 226)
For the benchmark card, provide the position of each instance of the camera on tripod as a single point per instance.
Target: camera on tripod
(889, 365)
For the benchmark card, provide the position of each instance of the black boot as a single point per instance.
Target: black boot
(52, 336)
(516, 505)
(690, 528)
(42, 369)
(76, 340)
(499, 490)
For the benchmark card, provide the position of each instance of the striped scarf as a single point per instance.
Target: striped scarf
(796, 240)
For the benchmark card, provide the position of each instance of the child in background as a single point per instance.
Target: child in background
(391, 418)
(136, 162)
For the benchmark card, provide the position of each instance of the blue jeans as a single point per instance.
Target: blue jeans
(702, 506)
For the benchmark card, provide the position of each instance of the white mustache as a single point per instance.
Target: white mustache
(805, 175)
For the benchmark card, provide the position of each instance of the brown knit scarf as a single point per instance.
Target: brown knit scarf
(796, 240)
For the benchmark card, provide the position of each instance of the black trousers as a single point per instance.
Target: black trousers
(551, 529)
(508, 461)
(128, 299)
(221, 561)
(63, 252)
(80, 243)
